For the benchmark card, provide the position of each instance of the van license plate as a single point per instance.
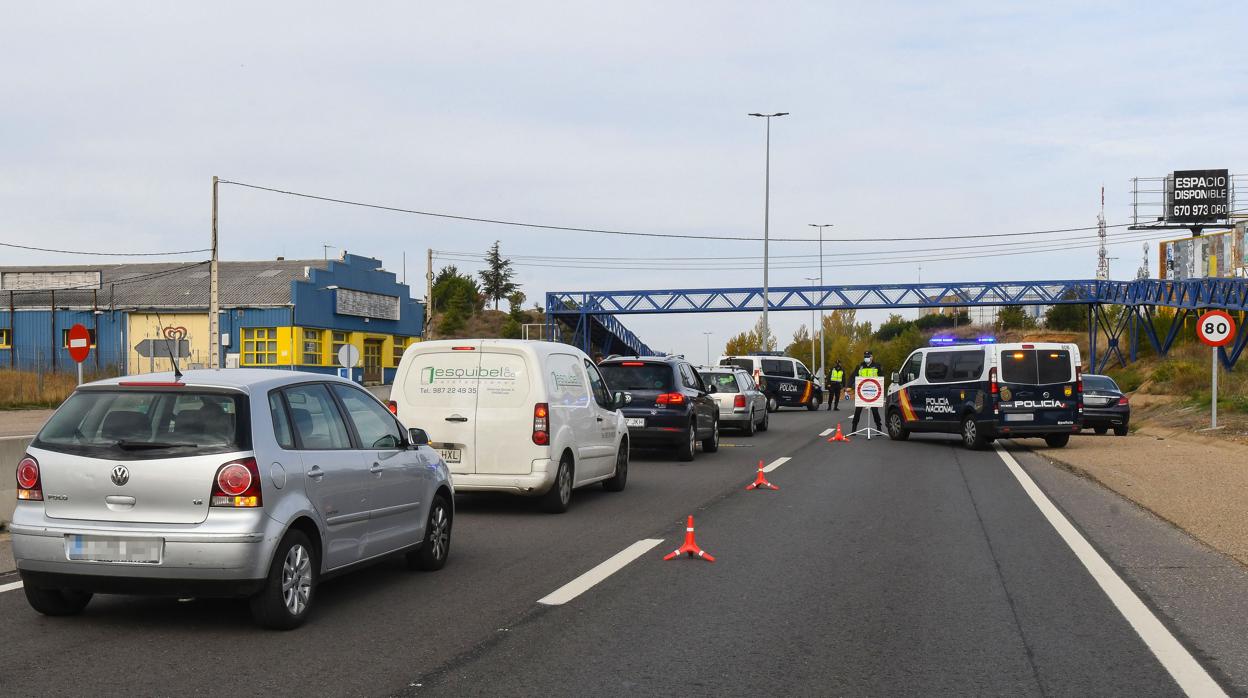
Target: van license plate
(451, 455)
(1020, 417)
(635, 421)
(102, 549)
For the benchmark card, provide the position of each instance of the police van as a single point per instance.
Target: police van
(784, 380)
(989, 391)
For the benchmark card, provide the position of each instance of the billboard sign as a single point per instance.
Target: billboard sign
(1198, 196)
(50, 280)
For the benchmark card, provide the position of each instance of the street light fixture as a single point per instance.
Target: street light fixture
(767, 218)
(822, 350)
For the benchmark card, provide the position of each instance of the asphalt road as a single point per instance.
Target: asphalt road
(878, 568)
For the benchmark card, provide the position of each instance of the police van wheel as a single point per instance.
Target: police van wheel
(972, 437)
(813, 405)
(896, 431)
(1057, 440)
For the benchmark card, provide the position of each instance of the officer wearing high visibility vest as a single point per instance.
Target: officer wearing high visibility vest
(836, 379)
(867, 369)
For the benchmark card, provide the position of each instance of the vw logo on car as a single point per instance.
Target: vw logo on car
(120, 475)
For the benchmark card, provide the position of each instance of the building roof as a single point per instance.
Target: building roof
(171, 285)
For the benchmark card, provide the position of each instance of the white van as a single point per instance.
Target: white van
(530, 418)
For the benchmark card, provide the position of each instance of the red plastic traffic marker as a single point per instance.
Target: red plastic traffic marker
(690, 546)
(760, 482)
(838, 436)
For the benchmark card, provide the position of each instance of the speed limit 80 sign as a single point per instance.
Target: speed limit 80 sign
(1215, 328)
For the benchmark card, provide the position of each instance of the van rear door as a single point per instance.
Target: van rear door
(504, 412)
(441, 390)
(1037, 387)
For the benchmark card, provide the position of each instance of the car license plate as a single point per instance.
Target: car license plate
(451, 455)
(1020, 417)
(1098, 401)
(106, 549)
(635, 421)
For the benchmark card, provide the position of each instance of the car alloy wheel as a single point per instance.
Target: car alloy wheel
(296, 579)
(439, 531)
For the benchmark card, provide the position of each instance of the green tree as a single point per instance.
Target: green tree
(496, 278)
(449, 283)
(1013, 317)
(1067, 317)
(751, 341)
(515, 310)
(893, 327)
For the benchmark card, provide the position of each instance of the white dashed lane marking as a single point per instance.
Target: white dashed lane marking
(608, 567)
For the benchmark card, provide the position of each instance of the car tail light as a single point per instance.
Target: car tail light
(237, 485)
(29, 485)
(541, 424)
(631, 363)
(1124, 401)
(393, 407)
(738, 401)
(670, 399)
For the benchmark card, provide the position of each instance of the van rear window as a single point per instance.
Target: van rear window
(637, 377)
(1036, 366)
(743, 364)
(135, 425)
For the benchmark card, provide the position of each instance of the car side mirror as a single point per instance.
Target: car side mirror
(417, 437)
(894, 378)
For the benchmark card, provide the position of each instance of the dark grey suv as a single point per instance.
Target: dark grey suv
(668, 405)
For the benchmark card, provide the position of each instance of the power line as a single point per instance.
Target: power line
(101, 254)
(600, 231)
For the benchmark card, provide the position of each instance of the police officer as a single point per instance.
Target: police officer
(867, 369)
(836, 379)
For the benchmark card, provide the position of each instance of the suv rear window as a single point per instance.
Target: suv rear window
(141, 424)
(1036, 366)
(635, 375)
(723, 382)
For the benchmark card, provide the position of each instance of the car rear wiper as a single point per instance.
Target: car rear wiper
(140, 445)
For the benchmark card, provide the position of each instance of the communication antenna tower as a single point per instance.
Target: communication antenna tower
(1142, 272)
(1102, 255)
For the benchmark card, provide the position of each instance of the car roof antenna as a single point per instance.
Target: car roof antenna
(160, 327)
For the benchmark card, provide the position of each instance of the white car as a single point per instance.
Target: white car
(741, 404)
(529, 418)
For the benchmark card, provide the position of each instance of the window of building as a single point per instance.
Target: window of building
(6, 338)
(340, 339)
(400, 345)
(260, 346)
(64, 338)
(313, 347)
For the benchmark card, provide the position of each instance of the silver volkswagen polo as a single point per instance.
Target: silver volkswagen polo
(250, 483)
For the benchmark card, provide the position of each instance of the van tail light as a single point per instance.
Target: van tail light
(1124, 401)
(393, 407)
(994, 390)
(541, 424)
(739, 401)
(29, 484)
(237, 485)
(670, 399)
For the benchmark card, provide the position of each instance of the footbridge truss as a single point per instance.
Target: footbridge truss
(1153, 310)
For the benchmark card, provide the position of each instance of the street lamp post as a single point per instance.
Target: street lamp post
(812, 280)
(708, 348)
(822, 350)
(767, 219)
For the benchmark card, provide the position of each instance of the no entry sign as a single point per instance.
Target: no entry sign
(78, 342)
(869, 392)
(1215, 328)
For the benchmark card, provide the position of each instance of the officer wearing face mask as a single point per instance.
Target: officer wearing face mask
(867, 369)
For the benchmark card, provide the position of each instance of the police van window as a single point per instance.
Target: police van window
(775, 367)
(802, 372)
(967, 365)
(745, 364)
(910, 371)
(1053, 366)
(937, 369)
(1036, 366)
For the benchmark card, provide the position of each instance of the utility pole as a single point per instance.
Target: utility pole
(214, 322)
(767, 220)
(812, 280)
(823, 352)
(428, 294)
(708, 348)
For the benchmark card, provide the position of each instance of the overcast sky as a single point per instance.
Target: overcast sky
(908, 118)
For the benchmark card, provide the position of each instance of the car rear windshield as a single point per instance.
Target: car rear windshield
(723, 382)
(637, 376)
(140, 424)
(1099, 383)
(1036, 366)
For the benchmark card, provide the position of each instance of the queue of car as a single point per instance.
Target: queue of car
(257, 483)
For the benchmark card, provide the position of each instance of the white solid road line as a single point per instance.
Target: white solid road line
(825, 432)
(1186, 671)
(10, 587)
(608, 567)
(776, 464)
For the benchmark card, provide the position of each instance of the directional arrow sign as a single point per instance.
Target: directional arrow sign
(162, 348)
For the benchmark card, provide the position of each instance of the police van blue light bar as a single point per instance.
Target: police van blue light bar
(942, 340)
(987, 340)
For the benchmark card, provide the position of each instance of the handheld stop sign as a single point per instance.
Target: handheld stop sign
(1216, 328)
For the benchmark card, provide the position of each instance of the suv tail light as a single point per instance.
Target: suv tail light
(670, 399)
(393, 407)
(739, 401)
(541, 424)
(237, 484)
(29, 484)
